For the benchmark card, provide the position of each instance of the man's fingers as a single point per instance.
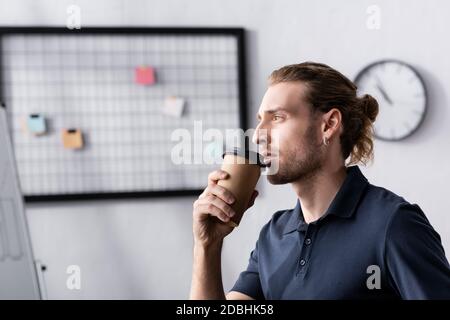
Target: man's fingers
(212, 207)
(218, 191)
(221, 192)
(211, 203)
(222, 205)
(203, 194)
(216, 175)
(215, 189)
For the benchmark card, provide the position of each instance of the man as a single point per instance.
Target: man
(346, 238)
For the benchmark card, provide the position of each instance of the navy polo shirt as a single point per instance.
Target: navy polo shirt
(369, 244)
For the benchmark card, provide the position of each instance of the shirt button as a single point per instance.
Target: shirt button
(308, 241)
(302, 262)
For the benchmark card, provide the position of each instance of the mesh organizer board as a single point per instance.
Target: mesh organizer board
(85, 79)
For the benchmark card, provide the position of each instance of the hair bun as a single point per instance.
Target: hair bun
(369, 106)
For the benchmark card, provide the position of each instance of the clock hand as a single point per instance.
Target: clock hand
(384, 94)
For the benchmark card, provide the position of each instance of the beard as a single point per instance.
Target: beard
(302, 164)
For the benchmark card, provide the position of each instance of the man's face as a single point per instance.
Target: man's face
(287, 127)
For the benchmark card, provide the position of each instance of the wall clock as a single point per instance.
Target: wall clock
(401, 95)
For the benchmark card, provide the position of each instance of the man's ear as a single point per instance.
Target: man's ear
(331, 122)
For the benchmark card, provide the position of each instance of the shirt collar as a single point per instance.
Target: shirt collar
(343, 204)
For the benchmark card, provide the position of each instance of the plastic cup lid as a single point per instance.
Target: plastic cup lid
(248, 154)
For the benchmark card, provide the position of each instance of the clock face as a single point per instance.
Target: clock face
(401, 96)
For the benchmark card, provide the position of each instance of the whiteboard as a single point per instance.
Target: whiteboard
(18, 277)
(86, 80)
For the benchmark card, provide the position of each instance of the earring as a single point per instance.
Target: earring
(325, 141)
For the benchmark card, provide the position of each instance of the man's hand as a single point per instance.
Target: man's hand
(212, 210)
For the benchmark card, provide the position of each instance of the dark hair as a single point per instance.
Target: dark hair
(328, 89)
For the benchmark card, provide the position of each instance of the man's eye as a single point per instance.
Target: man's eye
(275, 117)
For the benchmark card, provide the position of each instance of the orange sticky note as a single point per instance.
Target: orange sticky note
(145, 75)
(72, 138)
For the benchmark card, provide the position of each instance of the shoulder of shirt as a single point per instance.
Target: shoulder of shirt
(392, 209)
(387, 200)
(402, 221)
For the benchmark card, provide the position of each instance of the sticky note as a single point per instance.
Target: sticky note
(173, 106)
(72, 138)
(145, 75)
(36, 124)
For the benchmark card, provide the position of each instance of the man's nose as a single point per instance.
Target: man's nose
(261, 135)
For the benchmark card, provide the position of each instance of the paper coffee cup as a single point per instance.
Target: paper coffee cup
(244, 169)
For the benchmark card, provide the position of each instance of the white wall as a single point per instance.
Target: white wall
(142, 248)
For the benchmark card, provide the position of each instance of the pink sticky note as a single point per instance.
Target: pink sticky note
(145, 75)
